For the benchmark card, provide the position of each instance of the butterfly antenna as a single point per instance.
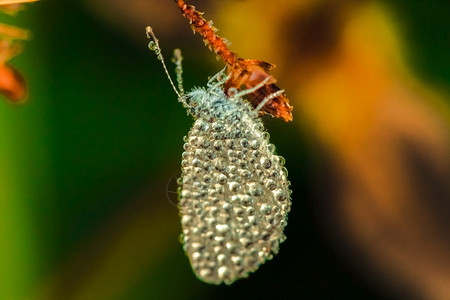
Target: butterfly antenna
(154, 46)
(177, 59)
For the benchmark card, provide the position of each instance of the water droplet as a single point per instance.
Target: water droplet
(221, 258)
(218, 127)
(218, 145)
(246, 174)
(234, 187)
(227, 207)
(256, 154)
(205, 273)
(255, 189)
(231, 144)
(255, 144)
(251, 211)
(196, 162)
(271, 148)
(222, 179)
(223, 272)
(246, 200)
(220, 164)
(244, 143)
(266, 163)
(265, 209)
(152, 46)
(280, 195)
(237, 260)
(271, 184)
(232, 169)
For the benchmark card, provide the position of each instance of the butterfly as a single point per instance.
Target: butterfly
(234, 194)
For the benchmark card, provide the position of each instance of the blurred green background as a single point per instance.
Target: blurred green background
(85, 164)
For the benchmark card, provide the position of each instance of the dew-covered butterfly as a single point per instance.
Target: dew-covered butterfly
(234, 194)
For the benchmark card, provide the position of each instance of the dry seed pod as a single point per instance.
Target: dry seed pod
(242, 73)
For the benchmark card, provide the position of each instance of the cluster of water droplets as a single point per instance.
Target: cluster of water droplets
(234, 196)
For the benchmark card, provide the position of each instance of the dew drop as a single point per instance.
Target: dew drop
(271, 148)
(255, 189)
(222, 179)
(265, 209)
(280, 195)
(227, 207)
(255, 144)
(196, 162)
(246, 174)
(218, 145)
(232, 92)
(244, 143)
(152, 46)
(205, 273)
(256, 154)
(234, 187)
(220, 164)
(231, 144)
(270, 184)
(218, 127)
(237, 260)
(246, 200)
(251, 211)
(266, 163)
(223, 272)
(232, 169)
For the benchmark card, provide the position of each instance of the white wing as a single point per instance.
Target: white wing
(234, 199)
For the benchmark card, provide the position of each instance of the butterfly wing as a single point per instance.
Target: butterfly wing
(234, 199)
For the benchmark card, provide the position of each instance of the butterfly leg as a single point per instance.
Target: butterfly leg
(267, 99)
(217, 79)
(253, 89)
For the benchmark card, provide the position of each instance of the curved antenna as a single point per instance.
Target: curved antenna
(154, 46)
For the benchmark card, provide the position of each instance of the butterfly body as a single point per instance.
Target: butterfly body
(234, 192)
